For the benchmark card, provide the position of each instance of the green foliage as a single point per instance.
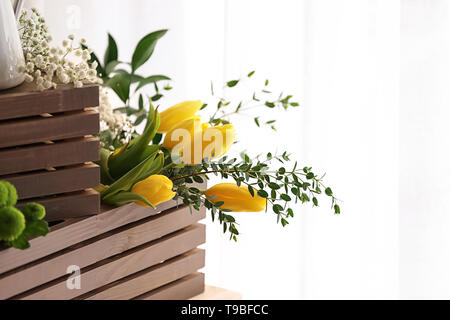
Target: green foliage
(145, 48)
(12, 223)
(122, 78)
(8, 194)
(16, 227)
(116, 193)
(137, 150)
(259, 99)
(33, 211)
(280, 187)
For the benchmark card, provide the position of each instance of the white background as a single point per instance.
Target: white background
(372, 78)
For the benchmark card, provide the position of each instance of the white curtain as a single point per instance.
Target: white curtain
(372, 78)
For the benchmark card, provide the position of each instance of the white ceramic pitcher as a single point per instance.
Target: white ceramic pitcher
(11, 54)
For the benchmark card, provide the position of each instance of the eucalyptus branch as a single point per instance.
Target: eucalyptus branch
(279, 187)
(220, 116)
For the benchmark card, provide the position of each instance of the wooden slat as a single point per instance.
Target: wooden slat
(151, 278)
(41, 156)
(22, 102)
(40, 129)
(182, 289)
(92, 251)
(70, 234)
(44, 183)
(133, 261)
(71, 205)
(216, 293)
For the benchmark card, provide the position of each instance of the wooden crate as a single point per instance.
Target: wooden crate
(47, 148)
(129, 252)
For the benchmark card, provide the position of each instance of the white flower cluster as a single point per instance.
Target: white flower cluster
(47, 66)
(118, 124)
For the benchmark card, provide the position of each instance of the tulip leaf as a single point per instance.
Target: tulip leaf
(111, 53)
(145, 48)
(151, 165)
(151, 79)
(103, 163)
(138, 149)
(124, 197)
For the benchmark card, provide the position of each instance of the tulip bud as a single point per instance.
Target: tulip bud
(156, 189)
(234, 198)
(177, 114)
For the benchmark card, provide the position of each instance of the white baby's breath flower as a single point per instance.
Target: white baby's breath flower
(46, 64)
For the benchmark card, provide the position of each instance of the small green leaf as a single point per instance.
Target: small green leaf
(111, 66)
(315, 201)
(269, 104)
(251, 190)
(121, 86)
(310, 175)
(218, 204)
(285, 197)
(198, 179)
(151, 79)
(250, 74)
(274, 186)
(263, 193)
(328, 192)
(156, 97)
(140, 119)
(145, 48)
(111, 53)
(337, 209)
(284, 222)
(257, 121)
(232, 83)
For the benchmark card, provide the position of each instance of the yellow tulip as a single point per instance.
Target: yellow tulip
(237, 199)
(194, 141)
(156, 189)
(178, 113)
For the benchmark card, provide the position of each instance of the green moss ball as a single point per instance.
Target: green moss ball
(33, 211)
(12, 223)
(8, 194)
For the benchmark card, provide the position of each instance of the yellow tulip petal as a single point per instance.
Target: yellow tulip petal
(156, 189)
(178, 113)
(237, 199)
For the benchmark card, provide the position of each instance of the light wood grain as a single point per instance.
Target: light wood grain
(152, 278)
(185, 288)
(42, 156)
(216, 293)
(120, 266)
(94, 250)
(40, 129)
(79, 230)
